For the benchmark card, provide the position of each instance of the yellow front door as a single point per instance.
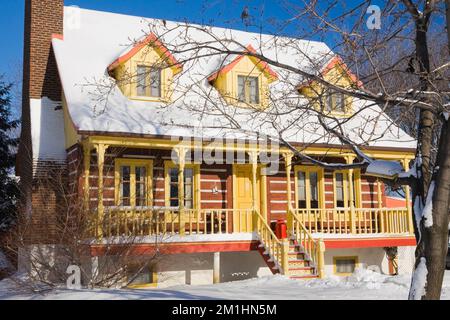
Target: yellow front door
(243, 196)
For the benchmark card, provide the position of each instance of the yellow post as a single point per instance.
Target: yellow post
(408, 199)
(100, 148)
(181, 164)
(254, 161)
(349, 160)
(380, 207)
(285, 257)
(86, 169)
(289, 217)
(321, 259)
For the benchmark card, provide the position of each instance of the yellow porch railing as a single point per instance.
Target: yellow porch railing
(150, 221)
(277, 249)
(355, 220)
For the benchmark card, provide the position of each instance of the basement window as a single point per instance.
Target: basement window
(345, 265)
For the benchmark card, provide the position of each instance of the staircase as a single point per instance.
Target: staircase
(299, 264)
(300, 257)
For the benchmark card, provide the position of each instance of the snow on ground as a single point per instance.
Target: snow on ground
(363, 284)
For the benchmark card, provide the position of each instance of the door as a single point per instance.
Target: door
(243, 196)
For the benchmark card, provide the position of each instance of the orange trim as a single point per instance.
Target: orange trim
(151, 38)
(369, 243)
(57, 36)
(174, 248)
(331, 64)
(264, 66)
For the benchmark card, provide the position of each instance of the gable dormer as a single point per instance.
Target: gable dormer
(145, 71)
(326, 100)
(244, 82)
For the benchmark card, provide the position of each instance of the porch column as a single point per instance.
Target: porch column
(100, 148)
(86, 173)
(407, 190)
(216, 270)
(383, 226)
(254, 162)
(349, 160)
(288, 166)
(181, 164)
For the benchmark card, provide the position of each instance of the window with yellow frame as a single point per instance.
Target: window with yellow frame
(345, 266)
(342, 188)
(191, 185)
(133, 182)
(309, 187)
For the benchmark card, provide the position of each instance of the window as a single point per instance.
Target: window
(189, 187)
(248, 89)
(345, 265)
(148, 82)
(141, 275)
(335, 102)
(339, 189)
(308, 185)
(133, 179)
(342, 189)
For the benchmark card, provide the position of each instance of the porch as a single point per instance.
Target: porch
(244, 206)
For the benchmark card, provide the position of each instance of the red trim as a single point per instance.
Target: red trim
(174, 248)
(264, 66)
(329, 66)
(151, 38)
(57, 36)
(369, 243)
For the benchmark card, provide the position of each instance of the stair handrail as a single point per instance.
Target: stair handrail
(277, 250)
(314, 248)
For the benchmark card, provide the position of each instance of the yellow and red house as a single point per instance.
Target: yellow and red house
(122, 124)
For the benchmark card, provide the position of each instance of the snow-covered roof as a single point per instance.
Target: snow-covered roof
(90, 46)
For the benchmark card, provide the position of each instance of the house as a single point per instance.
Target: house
(107, 103)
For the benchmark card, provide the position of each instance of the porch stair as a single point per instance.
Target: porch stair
(300, 267)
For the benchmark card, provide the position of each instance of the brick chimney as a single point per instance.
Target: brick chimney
(40, 76)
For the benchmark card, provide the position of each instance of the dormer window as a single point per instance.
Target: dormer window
(335, 102)
(148, 81)
(248, 89)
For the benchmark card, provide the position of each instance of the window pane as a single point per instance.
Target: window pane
(241, 88)
(142, 72)
(141, 186)
(340, 102)
(345, 265)
(173, 173)
(254, 90)
(188, 188)
(124, 186)
(314, 187)
(329, 102)
(155, 83)
(339, 186)
(301, 185)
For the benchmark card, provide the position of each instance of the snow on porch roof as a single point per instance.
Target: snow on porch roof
(96, 104)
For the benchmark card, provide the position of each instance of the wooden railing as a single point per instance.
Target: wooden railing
(151, 221)
(277, 249)
(355, 220)
(313, 248)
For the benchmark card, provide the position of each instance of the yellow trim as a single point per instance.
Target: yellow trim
(133, 163)
(169, 164)
(159, 143)
(154, 284)
(336, 258)
(320, 180)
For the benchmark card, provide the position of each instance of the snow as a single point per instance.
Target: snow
(384, 168)
(419, 280)
(363, 284)
(99, 38)
(427, 212)
(47, 129)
